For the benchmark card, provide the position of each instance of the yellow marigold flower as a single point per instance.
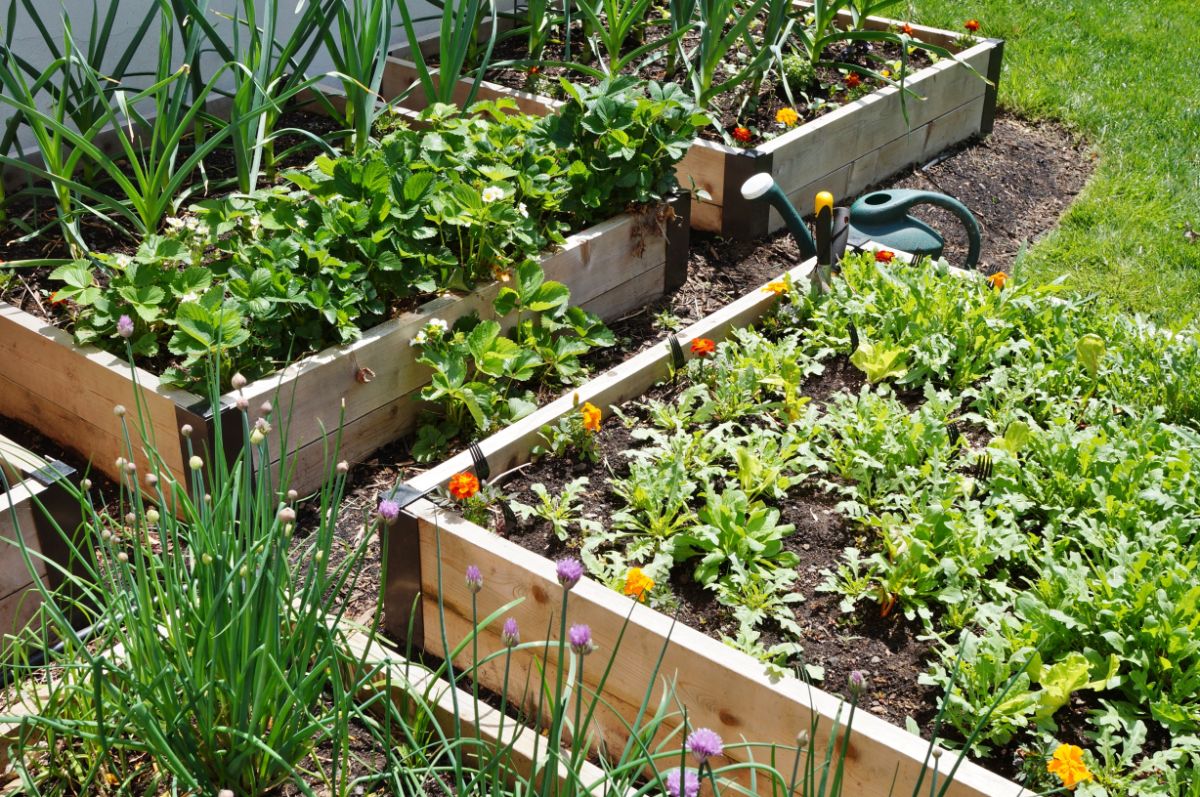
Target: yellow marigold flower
(778, 287)
(998, 280)
(1067, 763)
(787, 116)
(638, 584)
(591, 416)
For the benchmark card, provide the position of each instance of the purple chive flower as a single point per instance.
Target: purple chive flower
(569, 572)
(389, 510)
(580, 637)
(474, 578)
(857, 682)
(705, 743)
(511, 635)
(125, 327)
(689, 780)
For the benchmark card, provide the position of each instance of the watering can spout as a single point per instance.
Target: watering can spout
(762, 186)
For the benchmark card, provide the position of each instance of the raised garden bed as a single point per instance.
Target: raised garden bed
(724, 689)
(844, 151)
(610, 268)
(32, 502)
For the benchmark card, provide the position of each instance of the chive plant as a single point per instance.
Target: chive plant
(214, 658)
(358, 45)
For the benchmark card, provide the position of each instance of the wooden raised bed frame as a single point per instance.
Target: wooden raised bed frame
(428, 549)
(844, 151)
(70, 391)
(33, 504)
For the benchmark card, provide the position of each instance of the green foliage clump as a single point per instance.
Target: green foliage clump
(334, 248)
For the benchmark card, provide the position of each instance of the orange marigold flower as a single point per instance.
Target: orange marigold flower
(741, 134)
(972, 25)
(591, 416)
(906, 29)
(998, 280)
(54, 297)
(778, 287)
(853, 81)
(638, 584)
(533, 70)
(703, 347)
(885, 256)
(463, 486)
(1067, 763)
(787, 116)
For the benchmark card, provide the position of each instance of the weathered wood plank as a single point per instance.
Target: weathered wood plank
(856, 176)
(44, 372)
(476, 718)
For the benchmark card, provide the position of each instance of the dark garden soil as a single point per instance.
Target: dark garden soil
(884, 648)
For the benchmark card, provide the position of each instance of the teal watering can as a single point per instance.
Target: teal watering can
(880, 217)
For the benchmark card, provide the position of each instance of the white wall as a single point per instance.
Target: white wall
(28, 42)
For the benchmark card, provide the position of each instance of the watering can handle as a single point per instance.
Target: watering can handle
(968, 221)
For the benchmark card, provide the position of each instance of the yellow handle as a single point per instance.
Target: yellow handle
(824, 200)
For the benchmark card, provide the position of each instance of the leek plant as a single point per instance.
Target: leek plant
(149, 125)
(812, 40)
(267, 70)
(80, 104)
(359, 46)
(724, 26)
(609, 24)
(458, 45)
(213, 656)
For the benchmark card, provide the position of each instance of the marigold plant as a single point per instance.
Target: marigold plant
(703, 347)
(591, 416)
(787, 117)
(638, 584)
(1067, 763)
(463, 486)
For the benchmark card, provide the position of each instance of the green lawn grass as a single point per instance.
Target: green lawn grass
(1126, 75)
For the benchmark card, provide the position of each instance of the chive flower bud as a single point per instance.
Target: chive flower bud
(119, 410)
(195, 463)
(474, 579)
(238, 381)
(705, 743)
(510, 635)
(580, 639)
(568, 571)
(682, 783)
(389, 510)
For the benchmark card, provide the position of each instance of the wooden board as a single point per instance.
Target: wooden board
(30, 508)
(721, 687)
(476, 718)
